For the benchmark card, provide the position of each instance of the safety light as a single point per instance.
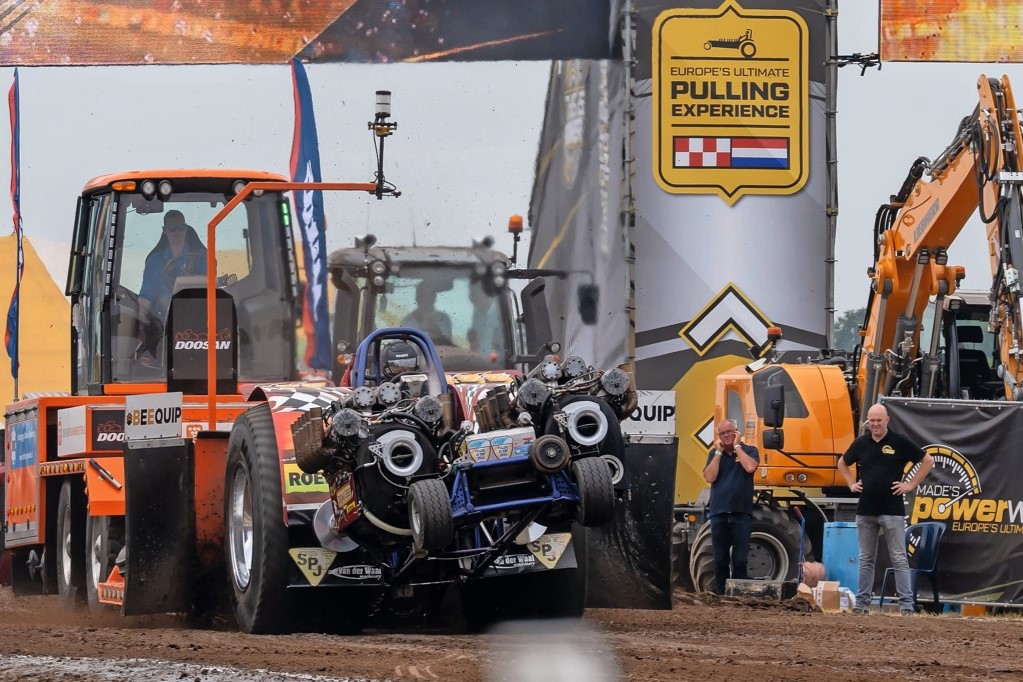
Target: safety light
(383, 103)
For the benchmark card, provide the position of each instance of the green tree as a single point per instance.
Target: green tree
(847, 328)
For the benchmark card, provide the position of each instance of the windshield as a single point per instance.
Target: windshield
(161, 249)
(448, 303)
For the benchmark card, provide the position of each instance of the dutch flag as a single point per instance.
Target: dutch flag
(732, 152)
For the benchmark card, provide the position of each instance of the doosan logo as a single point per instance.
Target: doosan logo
(109, 437)
(200, 345)
(192, 340)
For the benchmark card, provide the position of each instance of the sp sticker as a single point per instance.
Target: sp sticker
(314, 562)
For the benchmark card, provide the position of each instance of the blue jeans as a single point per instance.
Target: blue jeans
(894, 529)
(729, 534)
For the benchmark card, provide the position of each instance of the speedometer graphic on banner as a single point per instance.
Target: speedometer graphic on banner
(953, 477)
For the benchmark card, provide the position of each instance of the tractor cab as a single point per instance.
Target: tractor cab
(459, 296)
(137, 281)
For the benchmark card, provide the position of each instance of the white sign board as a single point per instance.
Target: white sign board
(153, 415)
(71, 431)
(654, 416)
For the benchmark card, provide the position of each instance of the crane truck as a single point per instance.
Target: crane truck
(923, 338)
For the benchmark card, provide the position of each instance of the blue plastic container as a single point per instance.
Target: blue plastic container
(841, 553)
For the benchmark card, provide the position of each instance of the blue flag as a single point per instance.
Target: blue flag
(305, 167)
(11, 334)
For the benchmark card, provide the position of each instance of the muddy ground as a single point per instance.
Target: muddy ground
(702, 638)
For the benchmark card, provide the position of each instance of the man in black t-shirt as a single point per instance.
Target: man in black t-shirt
(882, 457)
(729, 470)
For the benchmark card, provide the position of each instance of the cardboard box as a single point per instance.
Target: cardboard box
(828, 597)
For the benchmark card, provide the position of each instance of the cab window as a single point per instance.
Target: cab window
(777, 376)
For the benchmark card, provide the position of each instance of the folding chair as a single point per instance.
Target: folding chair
(926, 557)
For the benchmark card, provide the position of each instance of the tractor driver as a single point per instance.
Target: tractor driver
(436, 323)
(179, 252)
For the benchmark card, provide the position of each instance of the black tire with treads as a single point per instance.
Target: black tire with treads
(252, 489)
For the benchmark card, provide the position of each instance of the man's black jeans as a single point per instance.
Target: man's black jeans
(730, 535)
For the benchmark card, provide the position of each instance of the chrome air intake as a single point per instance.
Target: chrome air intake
(400, 452)
(586, 423)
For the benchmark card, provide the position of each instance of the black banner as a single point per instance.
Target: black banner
(975, 489)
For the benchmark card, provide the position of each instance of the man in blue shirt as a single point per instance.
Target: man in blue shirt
(179, 252)
(729, 470)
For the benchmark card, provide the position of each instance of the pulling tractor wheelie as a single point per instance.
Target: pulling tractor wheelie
(488, 489)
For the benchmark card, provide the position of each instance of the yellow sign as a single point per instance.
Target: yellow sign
(298, 481)
(314, 562)
(731, 114)
(549, 548)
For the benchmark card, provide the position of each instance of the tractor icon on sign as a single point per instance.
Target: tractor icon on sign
(744, 44)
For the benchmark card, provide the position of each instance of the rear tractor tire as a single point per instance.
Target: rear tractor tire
(256, 538)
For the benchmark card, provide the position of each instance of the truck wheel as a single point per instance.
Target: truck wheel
(70, 555)
(104, 538)
(701, 560)
(596, 491)
(774, 545)
(256, 539)
(680, 575)
(773, 549)
(429, 510)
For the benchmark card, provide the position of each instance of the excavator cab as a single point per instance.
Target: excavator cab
(137, 280)
(970, 371)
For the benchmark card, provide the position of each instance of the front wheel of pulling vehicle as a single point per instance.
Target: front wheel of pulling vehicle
(596, 491)
(256, 538)
(70, 553)
(429, 510)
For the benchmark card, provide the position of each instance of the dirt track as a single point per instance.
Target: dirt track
(701, 639)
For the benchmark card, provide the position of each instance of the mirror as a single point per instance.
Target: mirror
(774, 439)
(773, 408)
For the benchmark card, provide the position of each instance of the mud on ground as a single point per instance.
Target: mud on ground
(702, 638)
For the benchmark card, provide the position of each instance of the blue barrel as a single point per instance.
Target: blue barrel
(841, 553)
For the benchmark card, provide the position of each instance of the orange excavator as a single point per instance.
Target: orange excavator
(922, 337)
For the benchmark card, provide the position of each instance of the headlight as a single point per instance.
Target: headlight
(532, 394)
(574, 366)
(148, 188)
(378, 267)
(165, 188)
(615, 382)
(498, 268)
(429, 409)
(238, 186)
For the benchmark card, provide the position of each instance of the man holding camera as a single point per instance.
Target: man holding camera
(729, 470)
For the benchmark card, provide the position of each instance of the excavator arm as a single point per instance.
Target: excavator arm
(980, 168)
